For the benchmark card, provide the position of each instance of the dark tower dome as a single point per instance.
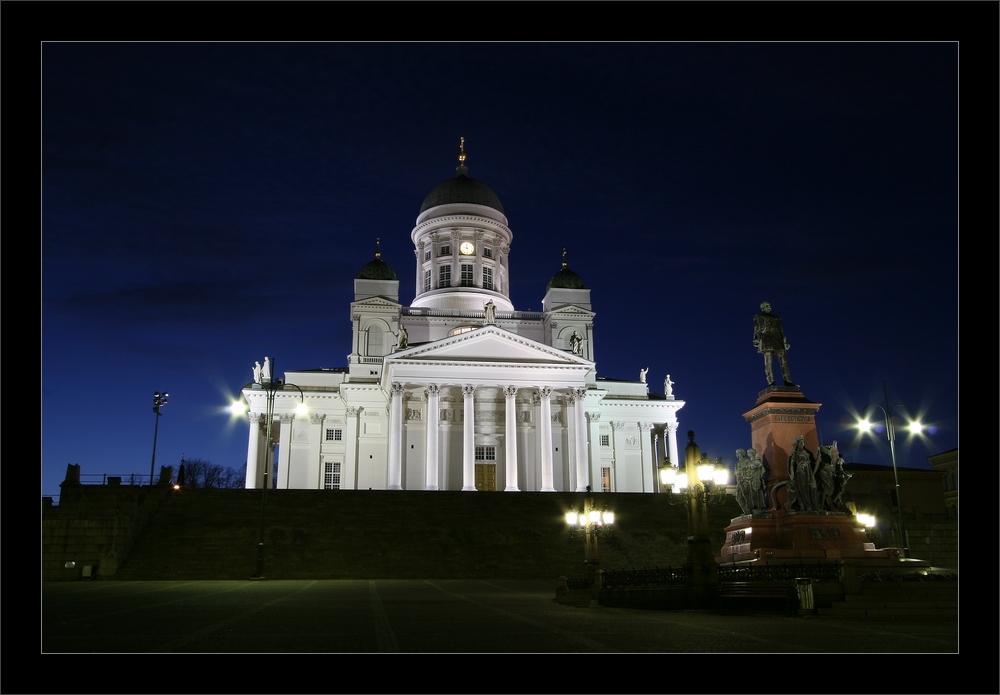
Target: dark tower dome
(461, 189)
(377, 269)
(566, 278)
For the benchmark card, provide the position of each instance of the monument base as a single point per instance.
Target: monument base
(799, 537)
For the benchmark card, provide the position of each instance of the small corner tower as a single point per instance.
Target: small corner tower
(569, 319)
(374, 317)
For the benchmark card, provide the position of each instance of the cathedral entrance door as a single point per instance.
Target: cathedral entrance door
(486, 477)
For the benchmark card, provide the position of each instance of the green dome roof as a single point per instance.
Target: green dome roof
(566, 279)
(377, 270)
(462, 189)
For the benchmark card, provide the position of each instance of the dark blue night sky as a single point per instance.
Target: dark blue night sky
(207, 204)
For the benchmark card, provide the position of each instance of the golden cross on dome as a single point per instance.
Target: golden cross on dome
(461, 150)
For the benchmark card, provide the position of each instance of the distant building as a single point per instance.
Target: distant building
(459, 390)
(947, 463)
(930, 518)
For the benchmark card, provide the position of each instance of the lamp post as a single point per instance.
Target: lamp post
(159, 399)
(270, 388)
(865, 425)
(700, 484)
(593, 522)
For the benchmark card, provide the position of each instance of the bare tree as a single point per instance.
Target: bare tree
(203, 474)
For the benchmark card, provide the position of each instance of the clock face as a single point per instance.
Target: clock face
(467, 248)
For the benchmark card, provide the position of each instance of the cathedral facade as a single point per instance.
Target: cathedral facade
(459, 390)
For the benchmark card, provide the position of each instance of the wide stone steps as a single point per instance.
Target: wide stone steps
(352, 534)
(894, 599)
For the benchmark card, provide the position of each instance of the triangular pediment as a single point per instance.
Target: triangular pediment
(489, 344)
(571, 311)
(377, 302)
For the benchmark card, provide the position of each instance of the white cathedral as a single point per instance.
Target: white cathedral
(460, 391)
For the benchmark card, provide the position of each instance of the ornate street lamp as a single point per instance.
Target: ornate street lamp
(914, 426)
(270, 387)
(592, 522)
(159, 399)
(699, 485)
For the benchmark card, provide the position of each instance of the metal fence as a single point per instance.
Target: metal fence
(822, 572)
(665, 576)
(657, 576)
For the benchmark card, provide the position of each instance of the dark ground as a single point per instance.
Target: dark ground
(433, 616)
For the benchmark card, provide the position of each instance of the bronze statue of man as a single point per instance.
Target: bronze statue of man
(769, 340)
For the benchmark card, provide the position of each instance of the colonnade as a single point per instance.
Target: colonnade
(577, 424)
(543, 398)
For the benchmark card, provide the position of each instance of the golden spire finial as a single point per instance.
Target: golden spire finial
(378, 247)
(564, 258)
(461, 151)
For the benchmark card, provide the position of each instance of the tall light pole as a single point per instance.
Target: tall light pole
(159, 399)
(270, 388)
(865, 425)
(701, 484)
(593, 522)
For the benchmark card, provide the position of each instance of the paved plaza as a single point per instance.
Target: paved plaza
(432, 616)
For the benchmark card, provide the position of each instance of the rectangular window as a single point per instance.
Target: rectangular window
(605, 440)
(334, 435)
(487, 278)
(606, 479)
(427, 255)
(445, 251)
(487, 252)
(331, 475)
(468, 271)
(427, 281)
(486, 453)
(444, 276)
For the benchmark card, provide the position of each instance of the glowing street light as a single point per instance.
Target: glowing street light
(593, 522)
(914, 426)
(159, 400)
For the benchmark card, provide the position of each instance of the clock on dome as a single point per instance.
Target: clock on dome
(467, 248)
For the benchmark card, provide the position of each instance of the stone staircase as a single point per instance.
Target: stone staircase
(377, 534)
(890, 599)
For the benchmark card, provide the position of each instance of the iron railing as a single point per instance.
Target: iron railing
(657, 576)
(823, 572)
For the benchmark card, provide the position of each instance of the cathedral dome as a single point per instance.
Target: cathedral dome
(566, 279)
(377, 269)
(462, 189)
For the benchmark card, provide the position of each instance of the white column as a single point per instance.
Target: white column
(510, 430)
(253, 452)
(594, 451)
(456, 260)
(421, 250)
(582, 479)
(351, 462)
(285, 450)
(545, 437)
(395, 436)
(670, 435)
(648, 457)
(616, 427)
(469, 439)
(432, 392)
